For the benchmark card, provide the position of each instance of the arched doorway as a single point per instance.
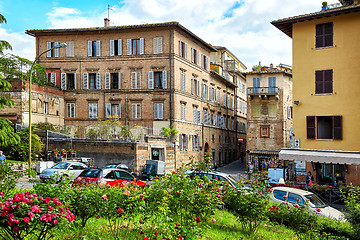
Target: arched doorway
(206, 147)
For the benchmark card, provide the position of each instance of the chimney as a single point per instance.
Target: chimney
(271, 65)
(106, 22)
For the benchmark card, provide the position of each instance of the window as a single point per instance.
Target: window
(157, 80)
(51, 77)
(94, 80)
(214, 120)
(272, 110)
(135, 46)
(212, 94)
(183, 50)
(207, 118)
(323, 81)
(113, 110)
(68, 81)
(324, 127)
(289, 112)
(197, 116)
(224, 99)
(54, 52)
(195, 87)
(182, 81)
(256, 110)
(195, 56)
(272, 84)
(136, 110)
(135, 80)
(205, 91)
(183, 142)
(46, 110)
(243, 88)
(112, 80)
(264, 131)
(205, 62)
(70, 110)
(324, 35)
(158, 110)
(158, 42)
(94, 48)
(182, 112)
(256, 84)
(293, 198)
(70, 49)
(92, 110)
(218, 96)
(116, 47)
(195, 142)
(279, 194)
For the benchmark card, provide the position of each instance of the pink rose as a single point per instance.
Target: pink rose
(104, 197)
(26, 219)
(126, 193)
(213, 220)
(120, 210)
(296, 205)
(318, 210)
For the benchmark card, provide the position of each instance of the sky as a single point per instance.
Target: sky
(242, 26)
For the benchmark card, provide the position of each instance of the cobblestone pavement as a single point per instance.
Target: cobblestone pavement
(236, 169)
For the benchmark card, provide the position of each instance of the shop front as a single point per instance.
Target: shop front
(327, 166)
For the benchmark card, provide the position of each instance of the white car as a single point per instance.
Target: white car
(292, 195)
(215, 175)
(70, 169)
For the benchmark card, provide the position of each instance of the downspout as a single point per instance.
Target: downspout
(170, 89)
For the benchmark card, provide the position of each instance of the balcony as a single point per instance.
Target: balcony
(263, 91)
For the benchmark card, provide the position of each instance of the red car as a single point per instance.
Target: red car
(107, 176)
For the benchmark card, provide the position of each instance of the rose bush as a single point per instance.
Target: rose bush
(27, 214)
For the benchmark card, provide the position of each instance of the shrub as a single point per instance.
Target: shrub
(26, 214)
(8, 178)
(352, 203)
(250, 205)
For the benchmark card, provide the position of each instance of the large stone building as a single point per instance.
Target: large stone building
(146, 75)
(326, 70)
(269, 120)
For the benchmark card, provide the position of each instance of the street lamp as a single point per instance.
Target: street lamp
(61, 45)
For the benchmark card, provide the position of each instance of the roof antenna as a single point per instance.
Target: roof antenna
(107, 20)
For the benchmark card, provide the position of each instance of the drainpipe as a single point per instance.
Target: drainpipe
(170, 89)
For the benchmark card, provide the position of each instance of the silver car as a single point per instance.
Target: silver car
(57, 172)
(305, 198)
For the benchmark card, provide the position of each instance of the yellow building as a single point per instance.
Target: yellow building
(326, 70)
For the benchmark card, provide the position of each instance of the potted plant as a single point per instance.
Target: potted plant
(324, 6)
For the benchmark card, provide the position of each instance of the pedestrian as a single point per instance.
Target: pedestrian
(2, 157)
(309, 179)
(215, 166)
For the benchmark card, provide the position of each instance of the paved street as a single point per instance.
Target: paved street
(24, 182)
(235, 169)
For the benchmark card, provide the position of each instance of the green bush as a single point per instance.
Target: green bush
(335, 227)
(352, 203)
(8, 178)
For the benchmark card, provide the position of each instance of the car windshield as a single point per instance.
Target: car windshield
(232, 181)
(148, 168)
(92, 173)
(315, 201)
(62, 165)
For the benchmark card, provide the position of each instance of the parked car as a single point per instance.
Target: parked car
(279, 194)
(120, 166)
(215, 175)
(106, 176)
(70, 169)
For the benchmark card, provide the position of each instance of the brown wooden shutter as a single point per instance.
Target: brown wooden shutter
(319, 36)
(310, 125)
(328, 34)
(328, 81)
(319, 79)
(337, 127)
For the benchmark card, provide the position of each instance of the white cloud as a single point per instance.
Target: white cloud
(246, 31)
(22, 45)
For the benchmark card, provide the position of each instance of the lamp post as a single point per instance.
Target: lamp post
(61, 45)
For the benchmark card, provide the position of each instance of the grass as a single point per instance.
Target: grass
(226, 228)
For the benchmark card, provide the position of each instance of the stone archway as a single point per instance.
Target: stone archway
(206, 147)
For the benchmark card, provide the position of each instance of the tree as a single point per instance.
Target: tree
(7, 135)
(21, 150)
(4, 45)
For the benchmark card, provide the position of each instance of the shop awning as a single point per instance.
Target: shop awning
(263, 151)
(321, 156)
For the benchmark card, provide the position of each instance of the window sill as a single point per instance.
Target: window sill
(319, 48)
(323, 94)
(324, 139)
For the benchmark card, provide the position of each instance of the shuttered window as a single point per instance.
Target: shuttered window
(324, 35)
(272, 84)
(86, 80)
(53, 78)
(112, 80)
(54, 52)
(136, 110)
(116, 47)
(256, 110)
(94, 48)
(70, 110)
(195, 87)
(135, 80)
(158, 110)
(158, 45)
(182, 112)
(272, 110)
(182, 81)
(310, 127)
(70, 49)
(183, 142)
(183, 52)
(135, 46)
(324, 81)
(92, 110)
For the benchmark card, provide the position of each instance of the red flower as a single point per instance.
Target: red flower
(16, 229)
(120, 210)
(296, 205)
(104, 197)
(298, 199)
(155, 232)
(177, 192)
(55, 222)
(318, 210)
(126, 193)
(145, 238)
(213, 220)
(198, 219)
(26, 219)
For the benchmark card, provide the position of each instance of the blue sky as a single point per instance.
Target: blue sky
(243, 26)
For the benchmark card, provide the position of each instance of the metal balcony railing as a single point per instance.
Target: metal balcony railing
(263, 91)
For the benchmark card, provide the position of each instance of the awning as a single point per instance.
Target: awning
(321, 156)
(263, 151)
